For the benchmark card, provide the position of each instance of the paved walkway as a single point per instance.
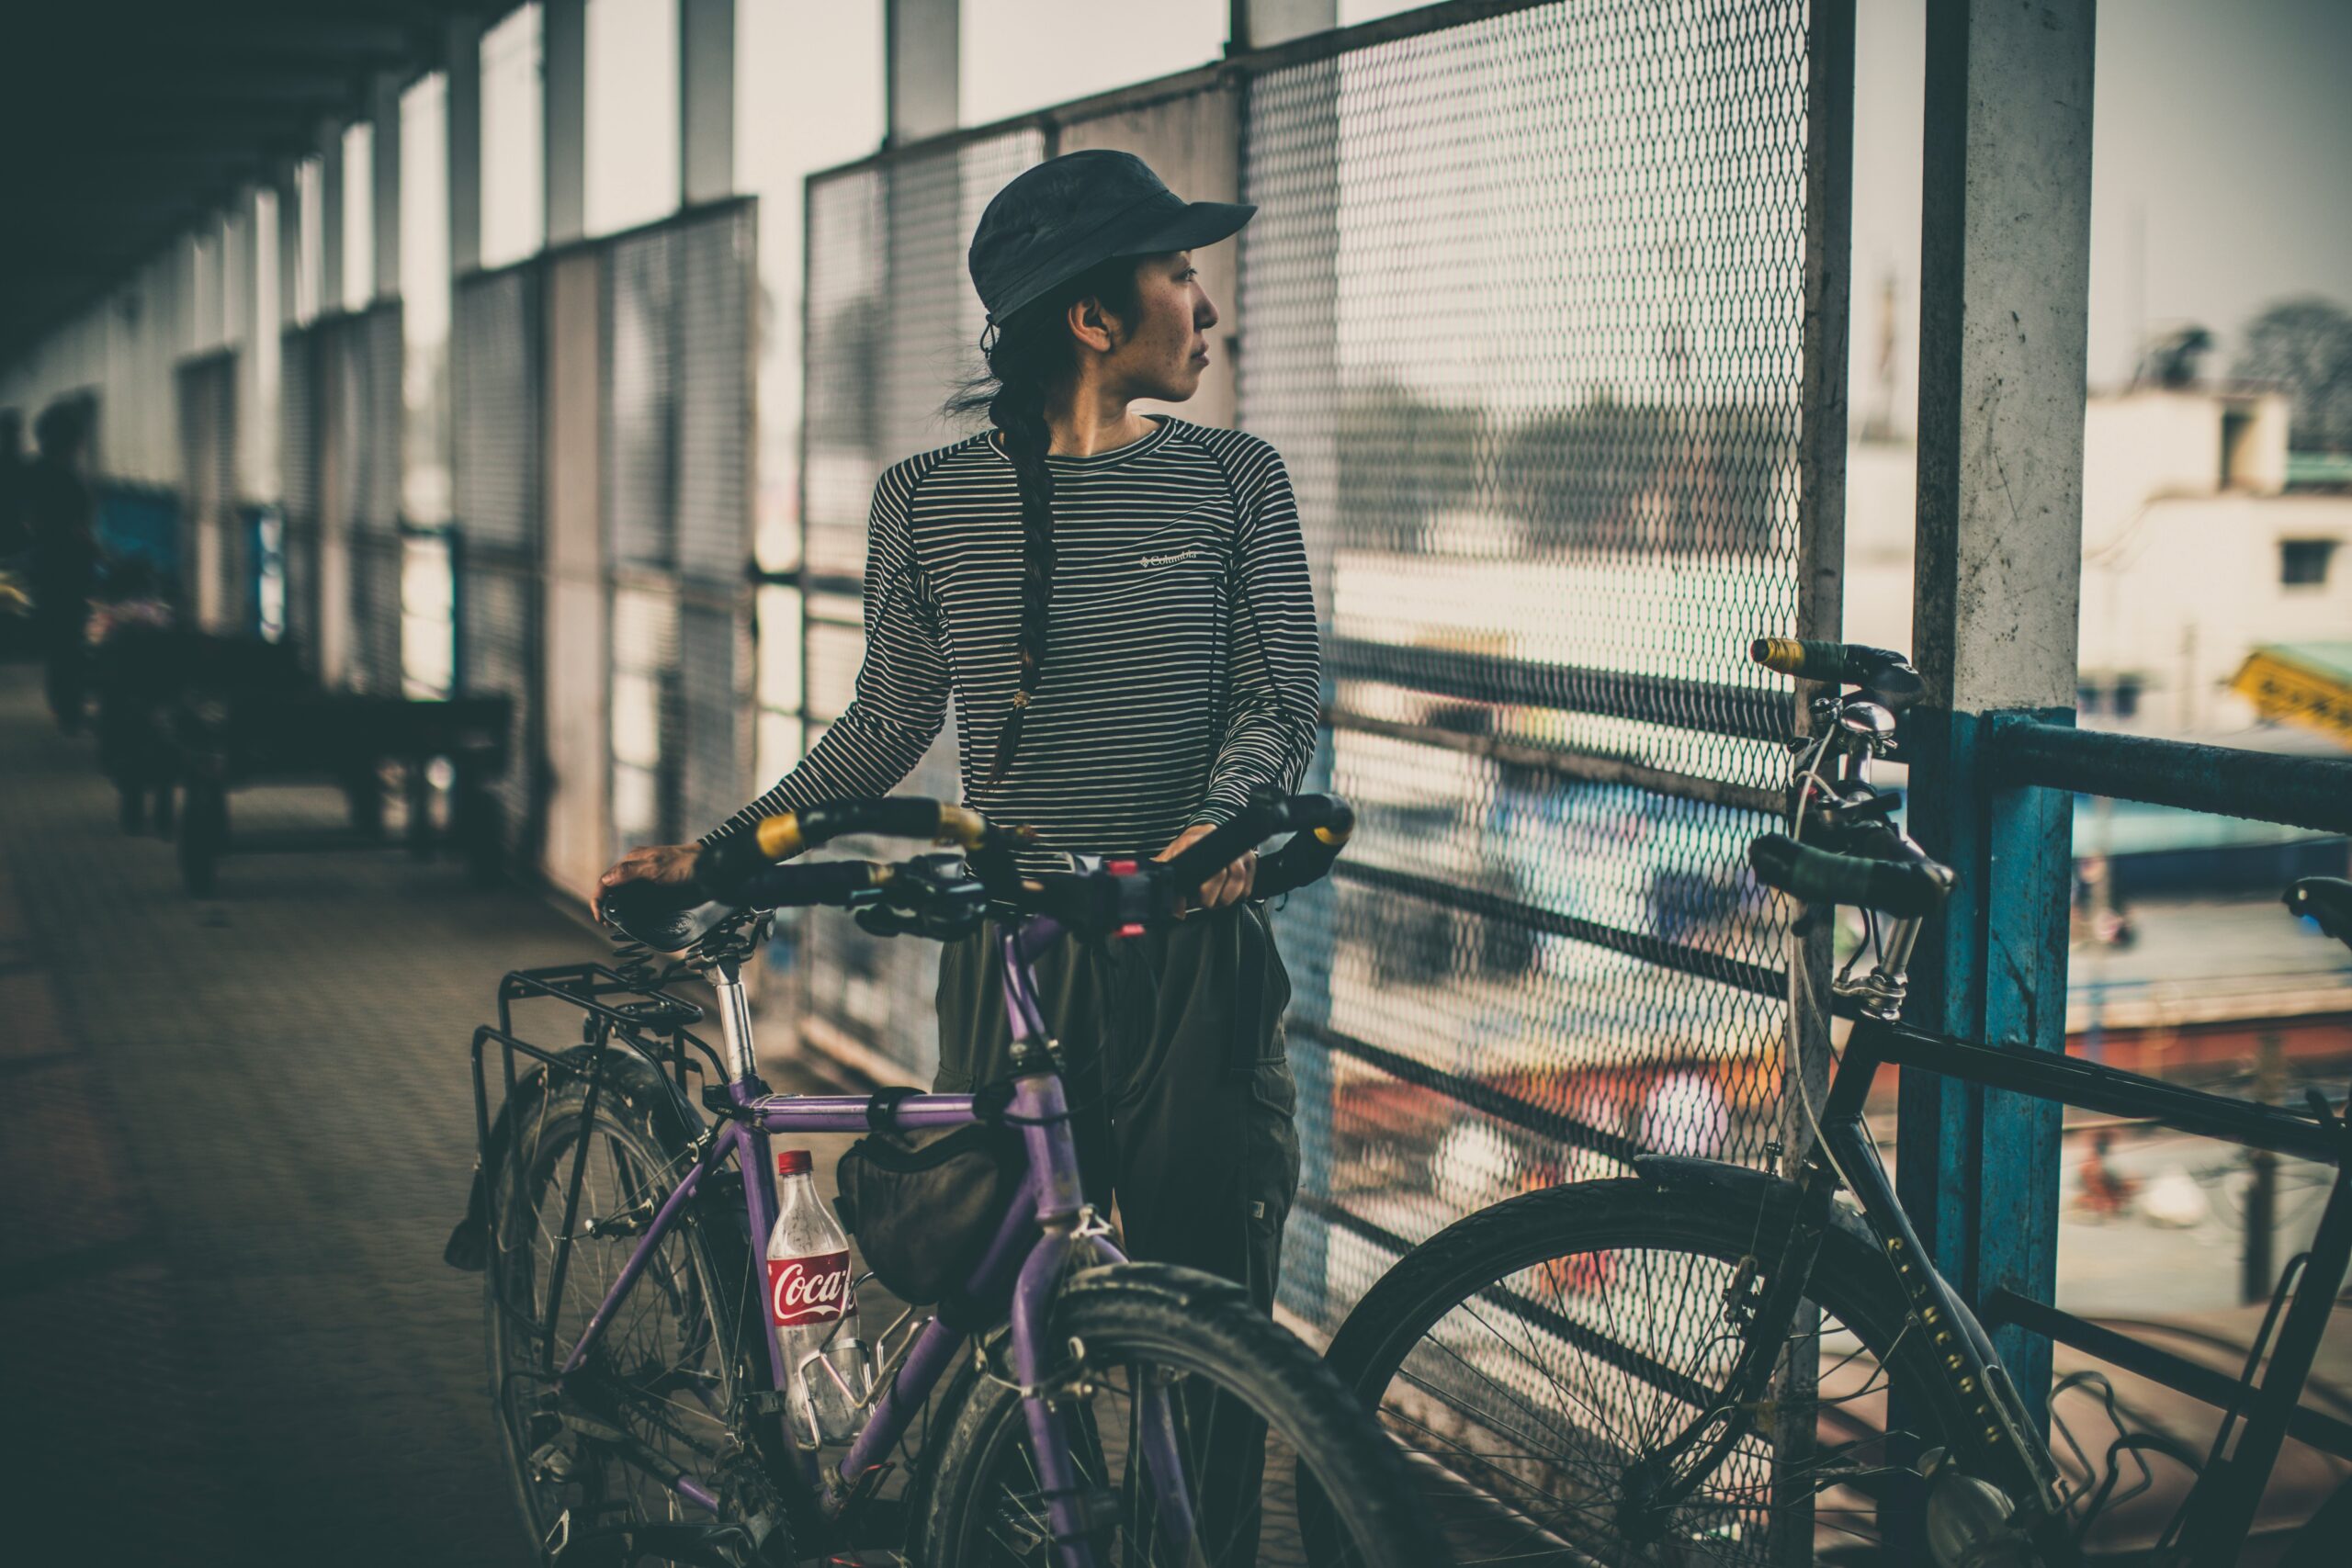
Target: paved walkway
(233, 1137)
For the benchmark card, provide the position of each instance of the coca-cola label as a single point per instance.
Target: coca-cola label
(808, 1289)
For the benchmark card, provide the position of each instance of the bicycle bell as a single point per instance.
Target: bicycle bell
(1869, 720)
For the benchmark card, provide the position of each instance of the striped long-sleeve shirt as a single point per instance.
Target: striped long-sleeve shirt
(1181, 671)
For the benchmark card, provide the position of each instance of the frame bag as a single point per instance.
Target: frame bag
(923, 1205)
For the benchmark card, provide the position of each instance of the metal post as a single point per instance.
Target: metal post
(921, 56)
(1821, 603)
(1262, 23)
(705, 100)
(563, 107)
(463, 56)
(2005, 250)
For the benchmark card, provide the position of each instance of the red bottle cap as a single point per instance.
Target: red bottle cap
(793, 1161)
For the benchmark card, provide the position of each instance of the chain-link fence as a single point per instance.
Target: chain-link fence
(1522, 309)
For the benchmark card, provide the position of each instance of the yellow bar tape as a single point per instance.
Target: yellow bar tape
(778, 837)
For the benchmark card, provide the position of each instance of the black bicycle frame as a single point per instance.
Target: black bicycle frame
(2004, 1445)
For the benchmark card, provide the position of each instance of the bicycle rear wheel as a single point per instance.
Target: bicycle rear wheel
(666, 1377)
(1536, 1354)
(1256, 1422)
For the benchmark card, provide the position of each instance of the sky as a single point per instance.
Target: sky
(2221, 132)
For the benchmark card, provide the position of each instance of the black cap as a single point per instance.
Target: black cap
(1070, 213)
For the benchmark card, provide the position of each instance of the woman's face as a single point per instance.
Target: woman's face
(1162, 352)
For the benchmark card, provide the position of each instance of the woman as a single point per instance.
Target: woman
(1118, 605)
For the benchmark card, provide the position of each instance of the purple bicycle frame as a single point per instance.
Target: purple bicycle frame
(1035, 1246)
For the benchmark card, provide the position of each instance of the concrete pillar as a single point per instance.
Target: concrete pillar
(331, 219)
(384, 97)
(463, 55)
(922, 50)
(563, 106)
(705, 100)
(2004, 266)
(1262, 23)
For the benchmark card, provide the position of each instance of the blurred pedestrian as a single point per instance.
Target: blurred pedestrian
(60, 514)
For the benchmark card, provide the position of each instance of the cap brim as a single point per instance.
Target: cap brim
(1201, 223)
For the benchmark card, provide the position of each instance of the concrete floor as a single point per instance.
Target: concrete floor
(234, 1135)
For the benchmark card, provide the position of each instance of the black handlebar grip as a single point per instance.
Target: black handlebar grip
(1907, 889)
(1224, 845)
(892, 816)
(1883, 673)
(809, 884)
(1801, 657)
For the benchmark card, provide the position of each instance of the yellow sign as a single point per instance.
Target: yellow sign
(2289, 693)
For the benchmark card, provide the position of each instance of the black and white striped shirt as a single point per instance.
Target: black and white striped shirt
(1181, 672)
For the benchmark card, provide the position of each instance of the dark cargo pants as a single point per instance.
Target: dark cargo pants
(1185, 1103)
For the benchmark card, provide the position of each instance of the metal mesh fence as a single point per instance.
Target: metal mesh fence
(495, 397)
(676, 403)
(1522, 310)
(893, 235)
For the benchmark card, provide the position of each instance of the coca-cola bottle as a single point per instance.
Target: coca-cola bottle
(811, 1307)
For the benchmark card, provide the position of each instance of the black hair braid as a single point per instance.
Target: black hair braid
(1019, 411)
(1027, 356)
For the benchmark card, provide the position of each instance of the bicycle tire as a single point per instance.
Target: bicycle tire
(1575, 1240)
(698, 1278)
(981, 1509)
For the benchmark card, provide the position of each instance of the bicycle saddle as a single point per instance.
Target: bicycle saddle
(2326, 899)
(665, 918)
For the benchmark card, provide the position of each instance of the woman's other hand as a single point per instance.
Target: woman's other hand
(668, 863)
(1228, 887)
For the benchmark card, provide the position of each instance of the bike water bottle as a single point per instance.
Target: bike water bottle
(811, 1309)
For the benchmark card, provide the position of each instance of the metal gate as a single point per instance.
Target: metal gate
(1525, 309)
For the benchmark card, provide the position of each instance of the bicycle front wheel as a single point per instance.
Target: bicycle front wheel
(1175, 1384)
(1537, 1355)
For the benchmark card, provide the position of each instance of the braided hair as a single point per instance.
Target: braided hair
(1028, 357)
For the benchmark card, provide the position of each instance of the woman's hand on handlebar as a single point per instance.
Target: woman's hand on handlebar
(671, 864)
(1228, 887)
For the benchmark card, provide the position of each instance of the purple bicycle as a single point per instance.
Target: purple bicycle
(1090, 1412)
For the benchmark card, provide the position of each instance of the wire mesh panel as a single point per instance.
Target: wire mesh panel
(892, 234)
(498, 643)
(494, 396)
(639, 447)
(645, 697)
(494, 399)
(376, 562)
(298, 428)
(712, 331)
(1522, 310)
(380, 487)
